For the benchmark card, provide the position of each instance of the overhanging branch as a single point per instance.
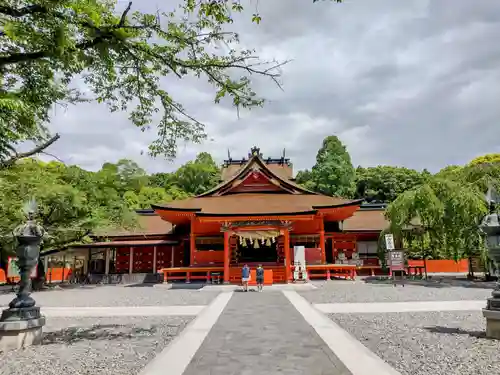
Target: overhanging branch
(104, 34)
(38, 149)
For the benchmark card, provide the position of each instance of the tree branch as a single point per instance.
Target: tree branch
(38, 149)
(104, 33)
(17, 13)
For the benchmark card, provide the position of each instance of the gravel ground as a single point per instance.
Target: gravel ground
(431, 343)
(117, 296)
(80, 346)
(359, 291)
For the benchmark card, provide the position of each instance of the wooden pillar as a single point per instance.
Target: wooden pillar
(286, 237)
(192, 243)
(172, 257)
(192, 248)
(86, 263)
(106, 262)
(154, 259)
(131, 261)
(63, 268)
(226, 257)
(322, 240)
(51, 269)
(333, 249)
(89, 261)
(46, 263)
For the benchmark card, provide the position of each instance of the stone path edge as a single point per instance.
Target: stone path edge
(52, 312)
(400, 307)
(356, 357)
(175, 358)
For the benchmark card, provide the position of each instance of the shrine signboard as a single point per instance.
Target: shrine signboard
(389, 242)
(397, 260)
(397, 265)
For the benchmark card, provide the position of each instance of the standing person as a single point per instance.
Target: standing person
(245, 277)
(260, 277)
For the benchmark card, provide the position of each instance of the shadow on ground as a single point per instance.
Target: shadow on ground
(436, 283)
(457, 331)
(184, 286)
(141, 285)
(72, 335)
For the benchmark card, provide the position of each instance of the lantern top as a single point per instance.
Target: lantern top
(491, 222)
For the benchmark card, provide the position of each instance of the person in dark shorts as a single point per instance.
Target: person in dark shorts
(245, 277)
(260, 277)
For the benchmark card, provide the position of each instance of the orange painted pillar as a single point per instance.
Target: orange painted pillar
(192, 243)
(322, 245)
(226, 257)
(286, 237)
(192, 248)
(322, 240)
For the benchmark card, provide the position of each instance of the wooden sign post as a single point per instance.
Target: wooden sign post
(397, 265)
(396, 259)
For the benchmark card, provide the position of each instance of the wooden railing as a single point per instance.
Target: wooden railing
(191, 273)
(316, 271)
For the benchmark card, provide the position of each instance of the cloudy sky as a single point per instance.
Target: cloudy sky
(414, 83)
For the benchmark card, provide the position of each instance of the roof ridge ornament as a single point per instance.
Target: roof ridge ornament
(255, 151)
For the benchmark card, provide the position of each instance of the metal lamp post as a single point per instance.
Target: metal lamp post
(491, 227)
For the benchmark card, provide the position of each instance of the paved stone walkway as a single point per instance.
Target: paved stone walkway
(262, 333)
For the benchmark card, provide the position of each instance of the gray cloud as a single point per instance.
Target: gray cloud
(413, 83)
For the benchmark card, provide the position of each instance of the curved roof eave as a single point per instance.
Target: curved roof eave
(178, 209)
(210, 214)
(340, 205)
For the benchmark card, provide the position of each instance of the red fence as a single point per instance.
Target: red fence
(442, 266)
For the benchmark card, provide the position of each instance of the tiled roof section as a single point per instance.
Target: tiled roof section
(366, 220)
(230, 171)
(147, 225)
(255, 203)
(284, 171)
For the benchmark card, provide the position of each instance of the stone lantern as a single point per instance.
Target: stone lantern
(21, 324)
(491, 227)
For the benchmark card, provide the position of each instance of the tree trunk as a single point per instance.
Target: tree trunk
(471, 269)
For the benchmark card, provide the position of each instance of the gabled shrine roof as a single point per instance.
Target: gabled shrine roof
(273, 169)
(256, 189)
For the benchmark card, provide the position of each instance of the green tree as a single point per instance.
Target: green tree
(162, 179)
(305, 179)
(446, 213)
(485, 159)
(70, 206)
(121, 58)
(198, 176)
(384, 183)
(123, 176)
(146, 197)
(450, 172)
(333, 173)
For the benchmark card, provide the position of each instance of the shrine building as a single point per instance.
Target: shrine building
(256, 215)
